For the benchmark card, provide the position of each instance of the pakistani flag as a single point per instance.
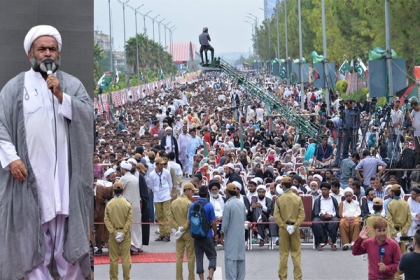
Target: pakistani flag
(283, 73)
(142, 77)
(361, 69)
(105, 81)
(345, 67)
(294, 78)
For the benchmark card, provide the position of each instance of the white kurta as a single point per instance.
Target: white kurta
(415, 209)
(50, 168)
(132, 194)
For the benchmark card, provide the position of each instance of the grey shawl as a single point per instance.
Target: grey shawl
(21, 237)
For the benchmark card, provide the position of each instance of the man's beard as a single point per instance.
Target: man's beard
(227, 175)
(261, 197)
(36, 64)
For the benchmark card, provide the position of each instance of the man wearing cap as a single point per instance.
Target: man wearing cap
(179, 221)
(204, 40)
(289, 214)
(169, 143)
(414, 203)
(349, 212)
(377, 210)
(398, 216)
(161, 185)
(232, 176)
(262, 211)
(144, 204)
(46, 138)
(118, 221)
(325, 209)
(132, 194)
(232, 233)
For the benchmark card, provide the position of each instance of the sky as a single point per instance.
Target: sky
(225, 19)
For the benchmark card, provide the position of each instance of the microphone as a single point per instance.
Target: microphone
(48, 64)
(381, 253)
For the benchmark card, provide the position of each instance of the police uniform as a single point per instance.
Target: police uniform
(398, 217)
(375, 216)
(180, 208)
(288, 210)
(118, 218)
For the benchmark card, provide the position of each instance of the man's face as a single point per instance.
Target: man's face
(252, 187)
(348, 196)
(351, 180)
(396, 104)
(324, 141)
(414, 195)
(355, 190)
(112, 177)
(373, 183)
(325, 192)
(334, 189)
(192, 133)
(380, 234)
(261, 194)
(328, 175)
(295, 182)
(371, 195)
(318, 181)
(214, 190)
(314, 188)
(273, 189)
(392, 181)
(43, 47)
(168, 132)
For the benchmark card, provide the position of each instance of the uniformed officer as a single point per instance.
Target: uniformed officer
(398, 215)
(180, 208)
(370, 220)
(118, 220)
(289, 215)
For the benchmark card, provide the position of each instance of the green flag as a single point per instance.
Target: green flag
(282, 74)
(345, 67)
(360, 68)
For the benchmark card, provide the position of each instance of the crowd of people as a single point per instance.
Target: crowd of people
(216, 135)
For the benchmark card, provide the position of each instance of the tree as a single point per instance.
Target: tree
(98, 54)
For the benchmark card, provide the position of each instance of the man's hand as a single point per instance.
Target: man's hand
(364, 233)
(253, 205)
(382, 267)
(18, 170)
(54, 85)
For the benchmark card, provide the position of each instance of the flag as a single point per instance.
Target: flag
(105, 81)
(142, 77)
(161, 75)
(314, 74)
(111, 108)
(206, 151)
(360, 67)
(282, 74)
(409, 92)
(345, 67)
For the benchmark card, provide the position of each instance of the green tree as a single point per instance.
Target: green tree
(98, 54)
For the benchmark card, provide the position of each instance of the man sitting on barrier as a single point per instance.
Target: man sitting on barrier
(262, 211)
(349, 212)
(204, 39)
(325, 209)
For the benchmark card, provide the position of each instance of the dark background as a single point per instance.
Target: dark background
(72, 18)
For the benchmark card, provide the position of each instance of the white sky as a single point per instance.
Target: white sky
(224, 18)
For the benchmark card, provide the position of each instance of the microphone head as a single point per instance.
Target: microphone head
(48, 66)
(381, 251)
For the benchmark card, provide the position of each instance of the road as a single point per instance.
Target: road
(261, 264)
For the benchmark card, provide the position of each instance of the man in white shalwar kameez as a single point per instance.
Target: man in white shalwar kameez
(183, 141)
(414, 203)
(47, 112)
(132, 194)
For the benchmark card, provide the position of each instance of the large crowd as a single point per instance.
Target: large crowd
(213, 132)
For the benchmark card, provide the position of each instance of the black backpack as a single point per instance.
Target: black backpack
(408, 159)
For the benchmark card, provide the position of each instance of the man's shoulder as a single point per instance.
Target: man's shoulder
(11, 84)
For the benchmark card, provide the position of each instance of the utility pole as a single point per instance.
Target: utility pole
(137, 40)
(324, 43)
(388, 50)
(153, 21)
(166, 26)
(110, 39)
(302, 92)
(144, 22)
(287, 45)
(159, 22)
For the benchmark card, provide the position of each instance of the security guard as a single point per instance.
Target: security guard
(398, 215)
(377, 208)
(118, 220)
(180, 208)
(289, 215)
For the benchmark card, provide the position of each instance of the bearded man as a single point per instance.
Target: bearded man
(46, 151)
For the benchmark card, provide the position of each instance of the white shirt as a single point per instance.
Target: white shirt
(351, 209)
(161, 185)
(415, 118)
(260, 114)
(327, 206)
(169, 145)
(337, 196)
(218, 205)
(48, 160)
(396, 116)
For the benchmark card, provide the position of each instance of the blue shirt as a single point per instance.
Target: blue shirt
(369, 165)
(322, 153)
(210, 215)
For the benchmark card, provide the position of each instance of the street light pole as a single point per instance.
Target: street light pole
(324, 44)
(110, 38)
(171, 29)
(124, 3)
(166, 26)
(388, 50)
(159, 22)
(267, 21)
(302, 92)
(153, 21)
(144, 22)
(287, 49)
(252, 32)
(255, 18)
(278, 33)
(137, 40)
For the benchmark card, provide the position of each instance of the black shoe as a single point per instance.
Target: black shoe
(134, 252)
(99, 251)
(277, 242)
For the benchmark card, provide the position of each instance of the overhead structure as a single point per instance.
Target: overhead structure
(273, 105)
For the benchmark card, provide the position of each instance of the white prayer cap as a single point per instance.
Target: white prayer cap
(238, 185)
(109, 172)
(132, 160)
(348, 189)
(230, 165)
(278, 178)
(38, 31)
(318, 176)
(294, 188)
(259, 180)
(126, 165)
(261, 187)
(388, 187)
(168, 128)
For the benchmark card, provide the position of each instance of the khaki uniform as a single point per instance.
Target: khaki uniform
(180, 208)
(118, 218)
(288, 209)
(370, 221)
(399, 219)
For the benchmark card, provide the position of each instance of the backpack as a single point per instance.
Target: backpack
(408, 159)
(199, 226)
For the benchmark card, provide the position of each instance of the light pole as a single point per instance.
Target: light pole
(278, 33)
(252, 31)
(166, 26)
(255, 18)
(302, 92)
(268, 22)
(324, 44)
(110, 38)
(172, 39)
(287, 48)
(388, 50)
(124, 3)
(144, 22)
(153, 21)
(137, 40)
(159, 22)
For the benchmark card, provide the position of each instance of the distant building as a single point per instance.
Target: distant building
(102, 39)
(119, 60)
(181, 53)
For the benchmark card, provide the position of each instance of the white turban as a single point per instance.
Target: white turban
(348, 189)
(238, 185)
(109, 172)
(132, 160)
(279, 190)
(318, 176)
(38, 31)
(261, 187)
(126, 165)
